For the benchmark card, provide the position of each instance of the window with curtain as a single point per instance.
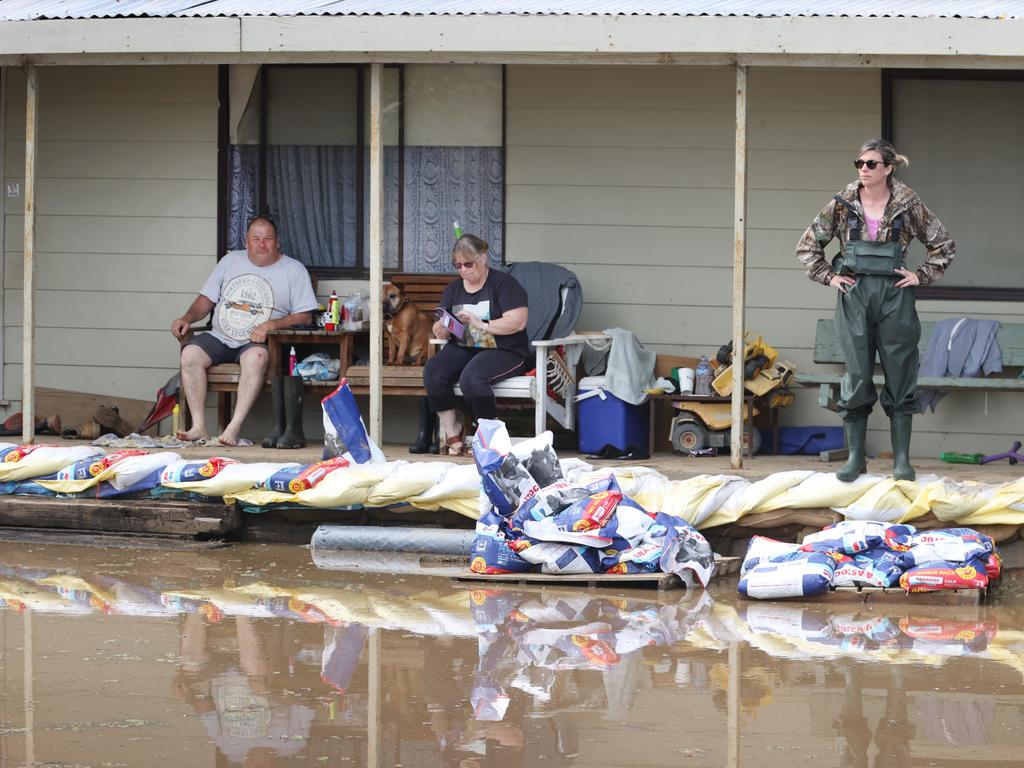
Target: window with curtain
(298, 150)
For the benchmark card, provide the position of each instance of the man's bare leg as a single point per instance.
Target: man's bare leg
(194, 362)
(253, 363)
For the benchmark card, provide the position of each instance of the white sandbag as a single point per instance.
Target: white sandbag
(121, 469)
(347, 487)
(694, 499)
(460, 481)
(755, 496)
(887, 500)
(32, 461)
(762, 548)
(821, 490)
(233, 478)
(573, 468)
(408, 480)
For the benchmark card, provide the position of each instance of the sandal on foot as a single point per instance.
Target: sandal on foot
(458, 439)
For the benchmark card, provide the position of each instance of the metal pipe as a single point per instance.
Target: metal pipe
(434, 541)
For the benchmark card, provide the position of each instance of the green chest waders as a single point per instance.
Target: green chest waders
(876, 317)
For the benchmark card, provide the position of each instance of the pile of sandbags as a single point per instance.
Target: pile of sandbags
(864, 553)
(533, 519)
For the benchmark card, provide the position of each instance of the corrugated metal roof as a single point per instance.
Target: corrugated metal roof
(26, 10)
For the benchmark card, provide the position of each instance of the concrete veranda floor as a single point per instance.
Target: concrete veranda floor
(670, 464)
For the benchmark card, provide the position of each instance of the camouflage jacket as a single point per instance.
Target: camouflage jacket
(918, 222)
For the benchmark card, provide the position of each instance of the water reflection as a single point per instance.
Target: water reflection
(253, 656)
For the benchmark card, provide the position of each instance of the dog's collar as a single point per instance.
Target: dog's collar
(401, 306)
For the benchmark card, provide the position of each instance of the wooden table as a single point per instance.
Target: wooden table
(278, 343)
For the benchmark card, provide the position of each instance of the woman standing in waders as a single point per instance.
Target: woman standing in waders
(875, 218)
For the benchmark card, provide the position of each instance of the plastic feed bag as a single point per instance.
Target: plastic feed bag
(797, 575)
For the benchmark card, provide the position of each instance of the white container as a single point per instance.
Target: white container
(686, 376)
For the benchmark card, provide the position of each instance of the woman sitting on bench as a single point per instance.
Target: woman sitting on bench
(491, 345)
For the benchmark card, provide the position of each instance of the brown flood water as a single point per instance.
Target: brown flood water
(253, 655)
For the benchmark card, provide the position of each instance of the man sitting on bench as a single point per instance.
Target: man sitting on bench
(250, 293)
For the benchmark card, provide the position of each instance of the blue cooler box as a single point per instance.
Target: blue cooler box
(604, 420)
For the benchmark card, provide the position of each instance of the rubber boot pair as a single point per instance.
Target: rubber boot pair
(900, 425)
(286, 396)
(426, 440)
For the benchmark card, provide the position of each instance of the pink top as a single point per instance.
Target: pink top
(872, 226)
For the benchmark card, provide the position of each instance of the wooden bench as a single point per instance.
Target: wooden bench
(828, 350)
(425, 291)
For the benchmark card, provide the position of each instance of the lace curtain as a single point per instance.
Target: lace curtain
(444, 184)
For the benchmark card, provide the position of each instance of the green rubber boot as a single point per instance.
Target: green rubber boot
(856, 464)
(899, 430)
(277, 398)
(292, 436)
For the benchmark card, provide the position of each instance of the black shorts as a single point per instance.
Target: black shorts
(217, 350)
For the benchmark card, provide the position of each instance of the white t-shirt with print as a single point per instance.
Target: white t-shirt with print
(247, 295)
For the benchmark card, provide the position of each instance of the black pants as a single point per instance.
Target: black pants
(476, 370)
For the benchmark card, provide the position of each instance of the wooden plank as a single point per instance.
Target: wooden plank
(376, 233)
(949, 384)
(125, 235)
(593, 580)
(174, 518)
(122, 159)
(739, 266)
(50, 536)
(724, 566)
(28, 342)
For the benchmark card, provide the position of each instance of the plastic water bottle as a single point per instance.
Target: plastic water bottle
(293, 360)
(458, 229)
(702, 377)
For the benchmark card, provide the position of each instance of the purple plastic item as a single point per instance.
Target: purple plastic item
(1013, 455)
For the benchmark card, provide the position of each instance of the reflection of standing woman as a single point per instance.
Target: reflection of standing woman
(875, 218)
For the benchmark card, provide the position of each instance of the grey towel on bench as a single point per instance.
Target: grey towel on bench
(960, 347)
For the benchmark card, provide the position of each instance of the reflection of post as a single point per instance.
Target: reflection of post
(30, 717)
(732, 719)
(373, 705)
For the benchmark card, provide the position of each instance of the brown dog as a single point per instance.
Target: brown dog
(408, 328)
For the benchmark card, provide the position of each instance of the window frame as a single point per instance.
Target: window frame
(889, 76)
(361, 271)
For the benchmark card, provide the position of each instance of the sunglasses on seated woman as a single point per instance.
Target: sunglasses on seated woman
(871, 164)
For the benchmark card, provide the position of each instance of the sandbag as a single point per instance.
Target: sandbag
(301, 478)
(876, 568)
(693, 500)
(933, 577)
(504, 479)
(31, 461)
(347, 487)
(853, 536)
(798, 574)
(123, 471)
(232, 478)
(344, 432)
(762, 548)
(408, 481)
(193, 470)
